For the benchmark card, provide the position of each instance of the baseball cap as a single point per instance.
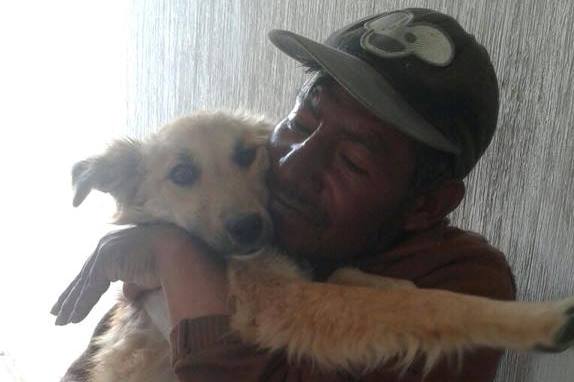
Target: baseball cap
(416, 69)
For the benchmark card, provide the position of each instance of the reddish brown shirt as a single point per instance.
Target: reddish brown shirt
(444, 258)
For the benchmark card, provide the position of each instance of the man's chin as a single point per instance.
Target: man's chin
(288, 221)
(295, 212)
(299, 237)
(304, 243)
(295, 237)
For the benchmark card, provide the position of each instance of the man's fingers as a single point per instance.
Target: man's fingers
(87, 300)
(80, 301)
(84, 274)
(67, 306)
(58, 305)
(110, 261)
(70, 299)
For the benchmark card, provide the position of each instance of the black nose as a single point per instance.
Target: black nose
(245, 229)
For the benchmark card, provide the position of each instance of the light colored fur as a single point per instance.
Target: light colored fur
(356, 322)
(132, 350)
(359, 328)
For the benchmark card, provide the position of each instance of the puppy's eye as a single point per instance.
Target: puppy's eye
(244, 156)
(183, 174)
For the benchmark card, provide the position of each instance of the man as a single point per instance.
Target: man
(365, 170)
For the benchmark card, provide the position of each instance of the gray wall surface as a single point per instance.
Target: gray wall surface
(186, 55)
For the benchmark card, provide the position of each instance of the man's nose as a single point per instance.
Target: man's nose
(305, 162)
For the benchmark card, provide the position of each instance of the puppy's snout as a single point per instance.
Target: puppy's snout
(245, 229)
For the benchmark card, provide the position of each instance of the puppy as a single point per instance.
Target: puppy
(206, 174)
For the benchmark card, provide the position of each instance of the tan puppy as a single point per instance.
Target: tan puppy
(205, 173)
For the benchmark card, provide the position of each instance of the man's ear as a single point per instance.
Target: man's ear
(431, 207)
(117, 171)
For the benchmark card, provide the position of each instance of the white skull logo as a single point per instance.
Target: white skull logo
(393, 35)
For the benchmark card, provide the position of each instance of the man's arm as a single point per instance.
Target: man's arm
(193, 281)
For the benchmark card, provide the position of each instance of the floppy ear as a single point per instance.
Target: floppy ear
(258, 132)
(117, 172)
(261, 132)
(259, 128)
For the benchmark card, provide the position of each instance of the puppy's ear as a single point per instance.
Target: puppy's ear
(261, 130)
(117, 171)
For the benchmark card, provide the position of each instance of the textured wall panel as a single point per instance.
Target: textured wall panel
(202, 54)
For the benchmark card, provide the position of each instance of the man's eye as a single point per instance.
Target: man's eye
(353, 166)
(183, 174)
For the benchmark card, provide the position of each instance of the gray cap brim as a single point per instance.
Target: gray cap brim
(366, 85)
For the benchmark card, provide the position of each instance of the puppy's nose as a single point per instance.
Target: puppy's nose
(245, 229)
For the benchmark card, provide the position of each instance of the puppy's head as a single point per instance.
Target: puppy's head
(204, 173)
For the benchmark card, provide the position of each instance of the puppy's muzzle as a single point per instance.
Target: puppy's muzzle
(247, 231)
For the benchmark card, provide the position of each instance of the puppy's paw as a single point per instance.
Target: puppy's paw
(564, 337)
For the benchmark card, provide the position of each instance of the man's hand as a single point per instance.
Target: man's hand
(129, 255)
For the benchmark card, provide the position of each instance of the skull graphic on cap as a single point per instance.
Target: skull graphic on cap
(396, 35)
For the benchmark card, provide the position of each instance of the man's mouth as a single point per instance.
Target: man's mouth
(284, 202)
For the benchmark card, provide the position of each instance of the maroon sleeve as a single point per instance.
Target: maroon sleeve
(486, 275)
(205, 350)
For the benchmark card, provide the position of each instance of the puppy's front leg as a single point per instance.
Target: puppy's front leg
(356, 277)
(358, 328)
(256, 282)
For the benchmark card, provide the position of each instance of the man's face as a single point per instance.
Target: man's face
(339, 177)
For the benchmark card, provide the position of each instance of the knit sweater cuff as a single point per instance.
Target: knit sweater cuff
(192, 336)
